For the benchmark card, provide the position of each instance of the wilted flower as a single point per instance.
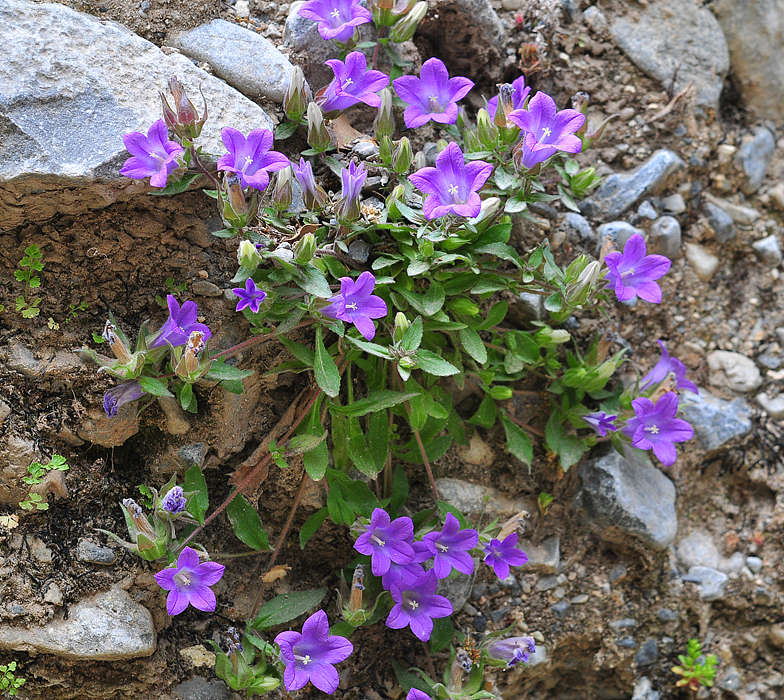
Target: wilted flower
(514, 94)
(655, 426)
(664, 366)
(183, 120)
(121, 394)
(512, 650)
(251, 158)
(632, 272)
(189, 583)
(416, 605)
(180, 324)
(353, 83)
(600, 422)
(174, 501)
(153, 156)
(386, 541)
(357, 304)
(250, 296)
(451, 547)
(352, 178)
(501, 555)
(336, 18)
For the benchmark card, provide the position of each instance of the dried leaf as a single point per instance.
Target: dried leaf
(342, 132)
(275, 573)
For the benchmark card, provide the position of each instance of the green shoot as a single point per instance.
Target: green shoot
(29, 265)
(9, 683)
(695, 672)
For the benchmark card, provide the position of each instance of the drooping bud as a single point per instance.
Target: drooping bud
(318, 136)
(405, 28)
(248, 255)
(402, 324)
(384, 124)
(488, 132)
(305, 249)
(403, 156)
(295, 101)
(283, 194)
(183, 119)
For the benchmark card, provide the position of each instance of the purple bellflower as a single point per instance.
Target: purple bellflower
(546, 130)
(433, 95)
(664, 366)
(352, 178)
(357, 304)
(180, 324)
(121, 394)
(416, 605)
(189, 582)
(632, 272)
(313, 194)
(336, 18)
(415, 694)
(501, 555)
(410, 572)
(152, 156)
(250, 296)
(311, 656)
(353, 83)
(600, 422)
(513, 650)
(451, 548)
(251, 158)
(386, 541)
(452, 187)
(520, 93)
(655, 426)
(174, 501)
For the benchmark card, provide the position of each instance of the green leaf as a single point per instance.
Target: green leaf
(485, 414)
(311, 526)
(517, 441)
(412, 338)
(225, 233)
(286, 129)
(569, 448)
(358, 450)
(496, 314)
(316, 460)
(177, 187)
(312, 280)
(432, 364)
(186, 398)
(303, 354)
(371, 348)
(325, 369)
(399, 493)
(194, 481)
(156, 387)
(444, 508)
(220, 371)
(417, 267)
(441, 636)
(472, 343)
(434, 449)
(378, 401)
(247, 524)
(503, 251)
(286, 607)
(554, 302)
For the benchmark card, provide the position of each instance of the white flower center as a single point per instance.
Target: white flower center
(352, 306)
(335, 13)
(546, 132)
(377, 540)
(453, 190)
(442, 547)
(183, 579)
(304, 659)
(654, 429)
(347, 82)
(413, 604)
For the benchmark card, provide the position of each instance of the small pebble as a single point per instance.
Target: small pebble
(559, 592)
(579, 599)
(480, 623)
(478, 591)
(617, 573)
(560, 609)
(546, 583)
(625, 623)
(627, 643)
(667, 615)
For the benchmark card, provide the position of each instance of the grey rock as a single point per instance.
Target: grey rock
(595, 19)
(625, 623)
(675, 204)
(754, 564)
(643, 690)
(457, 590)
(72, 86)
(16, 454)
(702, 261)
(711, 581)
(544, 558)
(359, 250)
(731, 370)
(753, 32)
(745, 216)
(666, 615)
(581, 599)
(5, 411)
(560, 609)
(677, 42)
(665, 237)
(776, 635)
(646, 211)
(621, 190)
(628, 496)
(767, 250)
(199, 688)
(773, 406)
(538, 657)
(617, 573)
(770, 360)
(577, 227)
(365, 148)
(618, 232)
(627, 643)
(754, 156)
(722, 224)
(732, 564)
(780, 334)
(698, 549)
(203, 288)
(716, 422)
(193, 453)
(648, 653)
(731, 680)
(110, 626)
(53, 594)
(22, 360)
(244, 59)
(570, 10)
(478, 591)
(546, 583)
(473, 498)
(91, 553)
(499, 615)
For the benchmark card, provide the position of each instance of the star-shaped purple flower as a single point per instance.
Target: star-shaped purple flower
(600, 422)
(353, 83)
(433, 95)
(546, 130)
(152, 156)
(632, 272)
(664, 366)
(336, 18)
(250, 296)
(410, 572)
(451, 547)
(416, 605)
(121, 394)
(189, 582)
(180, 324)
(311, 656)
(452, 187)
(313, 194)
(655, 426)
(502, 555)
(357, 304)
(386, 541)
(251, 158)
(520, 92)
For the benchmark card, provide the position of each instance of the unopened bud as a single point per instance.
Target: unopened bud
(401, 326)
(488, 132)
(385, 150)
(471, 141)
(248, 255)
(548, 337)
(357, 589)
(427, 248)
(420, 160)
(487, 209)
(405, 28)
(580, 103)
(462, 123)
(395, 196)
(403, 156)
(305, 249)
(183, 119)
(283, 194)
(441, 144)
(295, 101)
(577, 293)
(384, 124)
(318, 136)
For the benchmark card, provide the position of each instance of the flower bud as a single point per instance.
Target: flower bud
(305, 249)
(404, 28)
(395, 196)
(313, 194)
(403, 156)
(577, 293)
(509, 652)
(441, 144)
(248, 255)
(549, 337)
(462, 305)
(385, 150)
(471, 141)
(295, 101)
(427, 248)
(488, 132)
(183, 120)
(283, 194)
(401, 326)
(501, 393)
(420, 160)
(381, 11)
(148, 542)
(488, 208)
(318, 136)
(462, 123)
(384, 124)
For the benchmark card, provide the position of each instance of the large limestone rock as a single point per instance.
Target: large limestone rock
(70, 87)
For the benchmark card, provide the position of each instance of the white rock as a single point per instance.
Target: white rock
(704, 263)
(774, 407)
(733, 371)
(698, 549)
(768, 250)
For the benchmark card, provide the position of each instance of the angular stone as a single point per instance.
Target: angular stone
(774, 407)
(72, 86)
(745, 216)
(109, 626)
(648, 653)
(203, 288)
(734, 371)
(16, 454)
(754, 156)
(470, 498)
(560, 609)
(646, 211)
(20, 359)
(577, 227)
(716, 422)
(457, 590)
(91, 553)
(199, 688)
(698, 549)
(622, 190)
(768, 250)
(721, 222)
(732, 564)
(244, 59)
(618, 232)
(643, 690)
(628, 496)
(665, 237)
(704, 263)
(677, 42)
(544, 558)
(547, 583)
(595, 19)
(711, 581)
(675, 204)
(99, 429)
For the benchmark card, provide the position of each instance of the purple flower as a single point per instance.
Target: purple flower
(433, 95)
(180, 324)
(313, 194)
(153, 156)
(663, 367)
(189, 582)
(353, 83)
(174, 501)
(121, 394)
(415, 694)
(347, 207)
(513, 650)
(546, 130)
(410, 572)
(633, 272)
(600, 422)
(451, 547)
(311, 656)
(416, 605)
(519, 94)
(655, 426)
(357, 304)
(502, 555)
(386, 542)
(336, 18)
(250, 296)
(251, 157)
(453, 185)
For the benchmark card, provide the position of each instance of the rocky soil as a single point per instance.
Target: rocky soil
(630, 561)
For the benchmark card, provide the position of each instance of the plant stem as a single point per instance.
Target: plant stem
(421, 445)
